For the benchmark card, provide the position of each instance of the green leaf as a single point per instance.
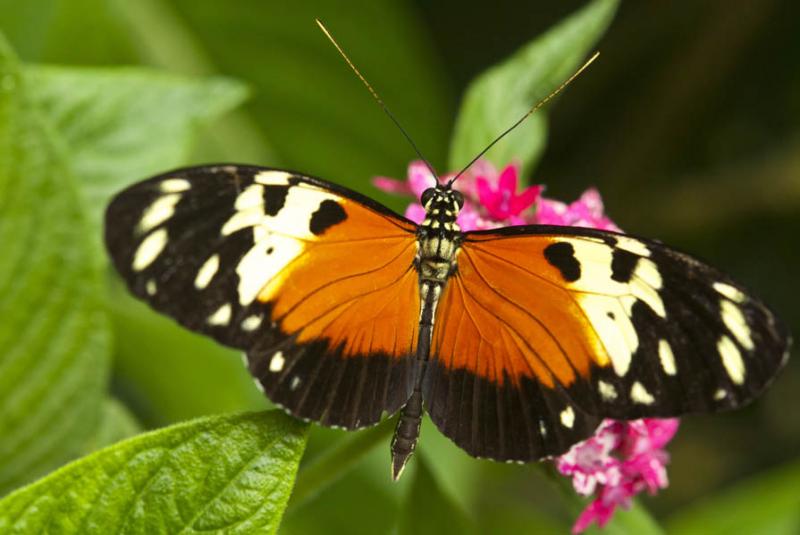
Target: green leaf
(767, 503)
(428, 510)
(124, 124)
(505, 92)
(66, 31)
(54, 337)
(231, 473)
(116, 423)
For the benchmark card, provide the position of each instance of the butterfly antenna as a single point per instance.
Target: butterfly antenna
(530, 112)
(378, 99)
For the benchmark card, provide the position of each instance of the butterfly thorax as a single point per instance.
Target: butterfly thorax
(439, 236)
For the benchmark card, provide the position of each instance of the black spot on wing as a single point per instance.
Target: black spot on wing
(561, 255)
(622, 265)
(327, 215)
(274, 199)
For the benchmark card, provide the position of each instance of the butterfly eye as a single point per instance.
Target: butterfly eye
(459, 198)
(427, 196)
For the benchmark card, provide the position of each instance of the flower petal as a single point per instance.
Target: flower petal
(508, 179)
(415, 212)
(487, 197)
(524, 200)
(419, 177)
(390, 185)
(551, 212)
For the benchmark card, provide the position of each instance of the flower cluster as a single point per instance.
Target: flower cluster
(492, 200)
(622, 459)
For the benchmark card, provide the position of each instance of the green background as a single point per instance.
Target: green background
(688, 124)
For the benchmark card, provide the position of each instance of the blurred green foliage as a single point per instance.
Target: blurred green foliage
(688, 125)
(55, 334)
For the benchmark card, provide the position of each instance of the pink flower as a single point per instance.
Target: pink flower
(490, 198)
(585, 212)
(500, 199)
(621, 459)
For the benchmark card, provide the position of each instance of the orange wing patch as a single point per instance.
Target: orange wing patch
(501, 318)
(364, 301)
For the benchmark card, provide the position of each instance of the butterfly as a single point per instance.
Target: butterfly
(517, 342)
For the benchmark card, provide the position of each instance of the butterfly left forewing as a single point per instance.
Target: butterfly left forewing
(573, 325)
(314, 281)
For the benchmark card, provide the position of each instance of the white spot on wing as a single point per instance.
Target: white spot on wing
(598, 294)
(617, 335)
(207, 272)
(639, 394)
(666, 357)
(730, 292)
(731, 359)
(542, 428)
(273, 178)
(632, 245)
(736, 324)
(251, 197)
(149, 249)
(301, 202)
(295, 383)
(277, 361)
(568, 417)
(158, 212)
(249, 210)
(174, 185)
(647, 270)
(222, 316)
(607, 391)
(646, 280)
(150, 287)
(720, 394)
(291, 221)
(251, 323)
(257, 268)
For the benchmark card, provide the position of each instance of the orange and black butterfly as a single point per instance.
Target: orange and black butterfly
(517, 341)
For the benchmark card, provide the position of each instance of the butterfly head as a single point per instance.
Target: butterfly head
(442, 205)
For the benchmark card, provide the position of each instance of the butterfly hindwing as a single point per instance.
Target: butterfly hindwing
(543, 331)
(315, 282)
